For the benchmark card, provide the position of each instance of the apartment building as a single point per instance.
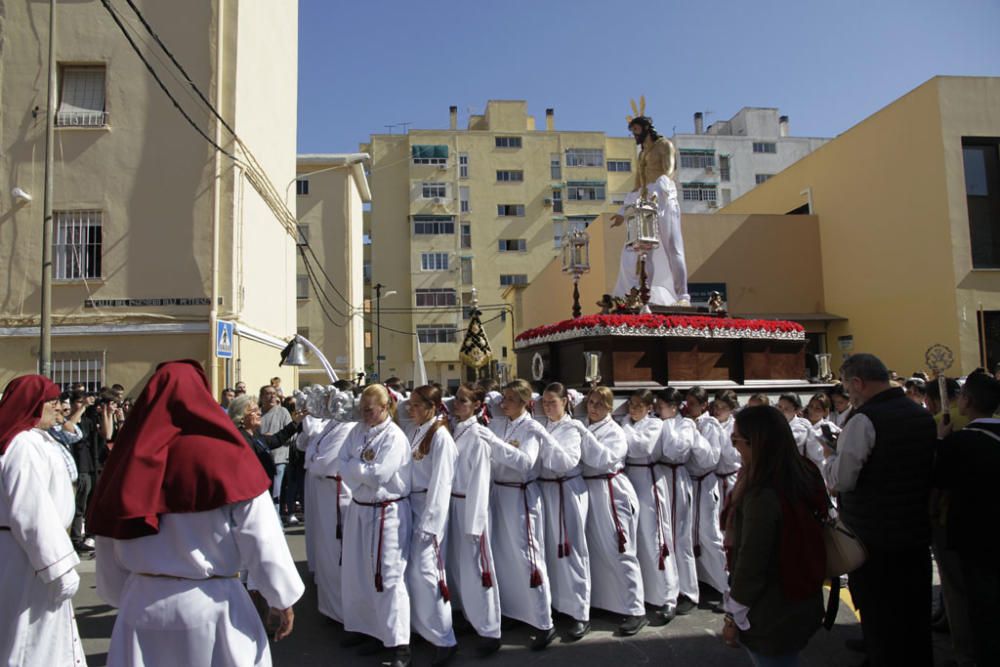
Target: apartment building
(157, 236)
(483, 206)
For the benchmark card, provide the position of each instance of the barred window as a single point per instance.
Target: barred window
(510, 175)
(466, 236)
(463, 165)
(697, 159)
(425, 225)
(86, 368)
(555, 167)
(432, 190)
(590, 192)
(557, 200)
(513, 279)
(433, 261)
(508, 142)
(619, 165)
(698, 192)
(81, 97)
(77, 247)
(765, 147)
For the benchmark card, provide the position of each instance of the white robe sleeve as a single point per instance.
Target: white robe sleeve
(444, 454)
(521, 458)
(375, 474)
(264, 551)
(704, 455)
(111, 575)
(642, 437)
(34, 520)
(560, 455)
(602, 453)
(676, 442)
(477, 495)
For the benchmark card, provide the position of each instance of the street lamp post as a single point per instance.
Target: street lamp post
(378, 330)
(45, 324)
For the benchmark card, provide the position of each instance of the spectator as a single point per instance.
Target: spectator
(932, 400)
(295, 471)
(274, 418)
(246, 416)
(967, 462)
(882, 472)
(226, 397)
(87, 453)
(774, 542)
(66, 432)
(276, 383)
(916, 390)
(758, 399)
(240, 389)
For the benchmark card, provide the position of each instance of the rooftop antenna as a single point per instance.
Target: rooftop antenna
(390, 128)
(404, 126)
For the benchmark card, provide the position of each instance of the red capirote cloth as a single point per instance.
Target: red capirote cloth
(177, 451)
(21, 405)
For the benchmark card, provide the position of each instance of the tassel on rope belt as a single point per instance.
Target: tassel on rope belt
(696, 532)
(619, 530)
(381, 505)
(724, 492)
(662, 550)
(484, 561)
(340, 486)
(536, 575)
(673, 499)
(564, 546)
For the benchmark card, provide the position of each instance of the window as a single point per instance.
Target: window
(724, 171)
(77, 247)
(510, 176)
(584, 157)
(302, 286)
(698, 192)
(463, 198)
(435, 333)
(579, 223)
(436, 297)
(466, 263)
(303, 234)
(433, 261)
(463, 165)
(368, 340)
(618, 198)
(428, 154)
(508, 142)
(466, 236)
(510, 210)
(87, 368)
(366, 272)
(302, 187)
(433, 224)
(81, 97)
(507, 279)
(555, 167)
(765, 147)
(697, 159)
(981, 158)
(557, 233)
(557, 200)
(619, 165)
(762, 178)
(585, 191)
(512, 245)
(433, 190)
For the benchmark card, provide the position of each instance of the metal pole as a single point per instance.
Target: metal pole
(378, 330)
(45, 344)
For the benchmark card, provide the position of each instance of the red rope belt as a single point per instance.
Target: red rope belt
(382, 505)
(564, 546)
(484, 561)
(724, 492)
(662, 550)
(536, 576)
(673, 500)
(696, 536)
(619, 530)
(340, 486)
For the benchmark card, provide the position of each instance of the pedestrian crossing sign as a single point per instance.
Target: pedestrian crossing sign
(224, 339)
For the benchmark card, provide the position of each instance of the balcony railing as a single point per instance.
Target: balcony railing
(81, 119)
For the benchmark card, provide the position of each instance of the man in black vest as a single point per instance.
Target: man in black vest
(882, 471)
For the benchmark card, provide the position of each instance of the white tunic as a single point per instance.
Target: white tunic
(648, 477)
(730, 463)
(471, 566)
(328, 515)
(36, 509)
(681, 446)
(306, 442)
(518, 521)
(612, 521)
(377, 533)
(179, 600)
(430, 500)
(806, 440)
(709, 550)
(566, 503)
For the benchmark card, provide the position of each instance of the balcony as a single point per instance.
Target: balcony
(82, 119)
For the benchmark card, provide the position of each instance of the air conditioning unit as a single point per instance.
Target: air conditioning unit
(547, 201)
(713, 204)
(439, 201)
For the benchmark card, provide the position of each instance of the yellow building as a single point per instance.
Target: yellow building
(331, 193)
(486, 207)
(901, 250)
(156, 235)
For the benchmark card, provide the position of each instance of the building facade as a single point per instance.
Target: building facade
(732, 157)
(331, 193)
(483, 207)
(157, 236)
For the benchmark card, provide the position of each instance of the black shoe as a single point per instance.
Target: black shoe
(718, 608)
(443, 655)
(370, 647)
(353, 639)
(578, 629)
(856, 645)
(401, 656)
(684, 606)
(632, 625)
(663, 615)
(543, 639)
(488, 646)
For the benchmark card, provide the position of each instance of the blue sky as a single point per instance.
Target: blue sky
(827, 65)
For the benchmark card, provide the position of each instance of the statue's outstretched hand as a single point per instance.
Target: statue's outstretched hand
(617, 219)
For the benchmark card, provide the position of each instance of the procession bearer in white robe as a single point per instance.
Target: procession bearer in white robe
(681, 447)
(613, 516)
(375, 463)
(566, 503)
(181, 507)
(518, 519)
(648, 477)
(314, 400)
(708, 548)
(726, 403)
(802, 429)
(37, 560)
(470, 549)
(434, 455)
(331, 501)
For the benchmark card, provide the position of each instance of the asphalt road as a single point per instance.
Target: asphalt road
(688, 640)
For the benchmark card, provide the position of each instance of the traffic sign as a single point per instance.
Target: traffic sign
(224, 339)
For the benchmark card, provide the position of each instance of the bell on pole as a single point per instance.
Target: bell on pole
(294, 353)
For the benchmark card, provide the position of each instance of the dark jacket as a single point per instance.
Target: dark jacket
(778, 625)
(888, 508)
(263, 444)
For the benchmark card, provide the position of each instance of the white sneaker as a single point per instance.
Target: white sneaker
(293, 520)
(89, 543)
